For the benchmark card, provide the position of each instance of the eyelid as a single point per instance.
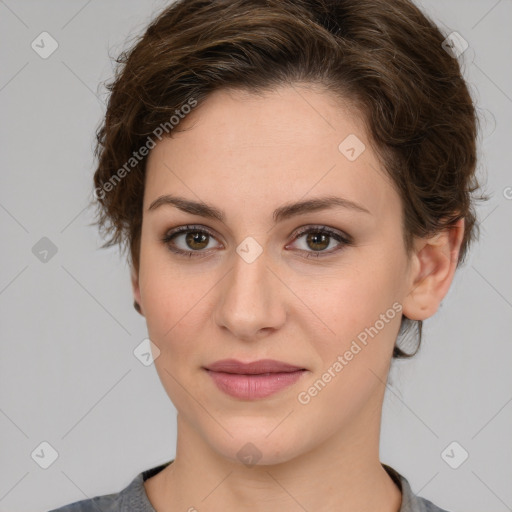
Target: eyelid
(321, 228)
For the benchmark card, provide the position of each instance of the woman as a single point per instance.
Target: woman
(293, 182)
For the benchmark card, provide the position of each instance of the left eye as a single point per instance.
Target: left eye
(319, 239)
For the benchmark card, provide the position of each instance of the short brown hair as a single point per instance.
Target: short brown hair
(385, 58)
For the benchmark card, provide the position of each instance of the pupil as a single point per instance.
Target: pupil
(314, 238)
(197, 238)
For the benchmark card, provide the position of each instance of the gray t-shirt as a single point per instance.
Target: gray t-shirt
(133, 498)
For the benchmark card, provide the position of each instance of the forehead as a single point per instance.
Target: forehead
(263, 150)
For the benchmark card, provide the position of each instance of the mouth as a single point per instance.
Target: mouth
(259, 367)
(254, 380)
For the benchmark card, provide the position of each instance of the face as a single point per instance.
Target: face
(319, 288)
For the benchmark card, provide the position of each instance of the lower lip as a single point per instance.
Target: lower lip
(252, 387)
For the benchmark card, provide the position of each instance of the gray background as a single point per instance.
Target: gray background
(68, 375)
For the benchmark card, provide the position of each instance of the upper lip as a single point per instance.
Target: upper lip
(253, 367)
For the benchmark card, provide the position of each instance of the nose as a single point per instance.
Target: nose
(251, 301)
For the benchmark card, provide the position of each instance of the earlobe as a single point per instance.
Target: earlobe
(137, 304)
(432, 270)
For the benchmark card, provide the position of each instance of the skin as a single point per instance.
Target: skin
(248, 154)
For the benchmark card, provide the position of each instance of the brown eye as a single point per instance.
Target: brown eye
(317, 241)
(188, 241)
(197, 240)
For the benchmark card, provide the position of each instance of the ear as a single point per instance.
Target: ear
(136, 290)
(433, 266)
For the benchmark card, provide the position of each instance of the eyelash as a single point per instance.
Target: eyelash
(344, 240)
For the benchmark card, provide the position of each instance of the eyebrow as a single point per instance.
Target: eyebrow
(282, 213)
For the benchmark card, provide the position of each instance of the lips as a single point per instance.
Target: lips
(254, 380)
(261, 366)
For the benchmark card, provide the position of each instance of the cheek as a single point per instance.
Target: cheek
(175, 306)
(171, 314)
(360, 304)
(173, 310)
(365, 319)
(163, 286)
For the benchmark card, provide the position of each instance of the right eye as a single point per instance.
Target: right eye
(193, 240)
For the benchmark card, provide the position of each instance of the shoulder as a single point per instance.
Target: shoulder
(132, 498)
(410, 501)
(425, 505)
(114, 502)
(106, 503)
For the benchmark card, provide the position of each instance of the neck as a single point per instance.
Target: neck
(343, 474)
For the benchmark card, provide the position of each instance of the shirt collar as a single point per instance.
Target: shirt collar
(137, 499)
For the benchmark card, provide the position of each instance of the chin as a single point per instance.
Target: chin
(253, 445)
